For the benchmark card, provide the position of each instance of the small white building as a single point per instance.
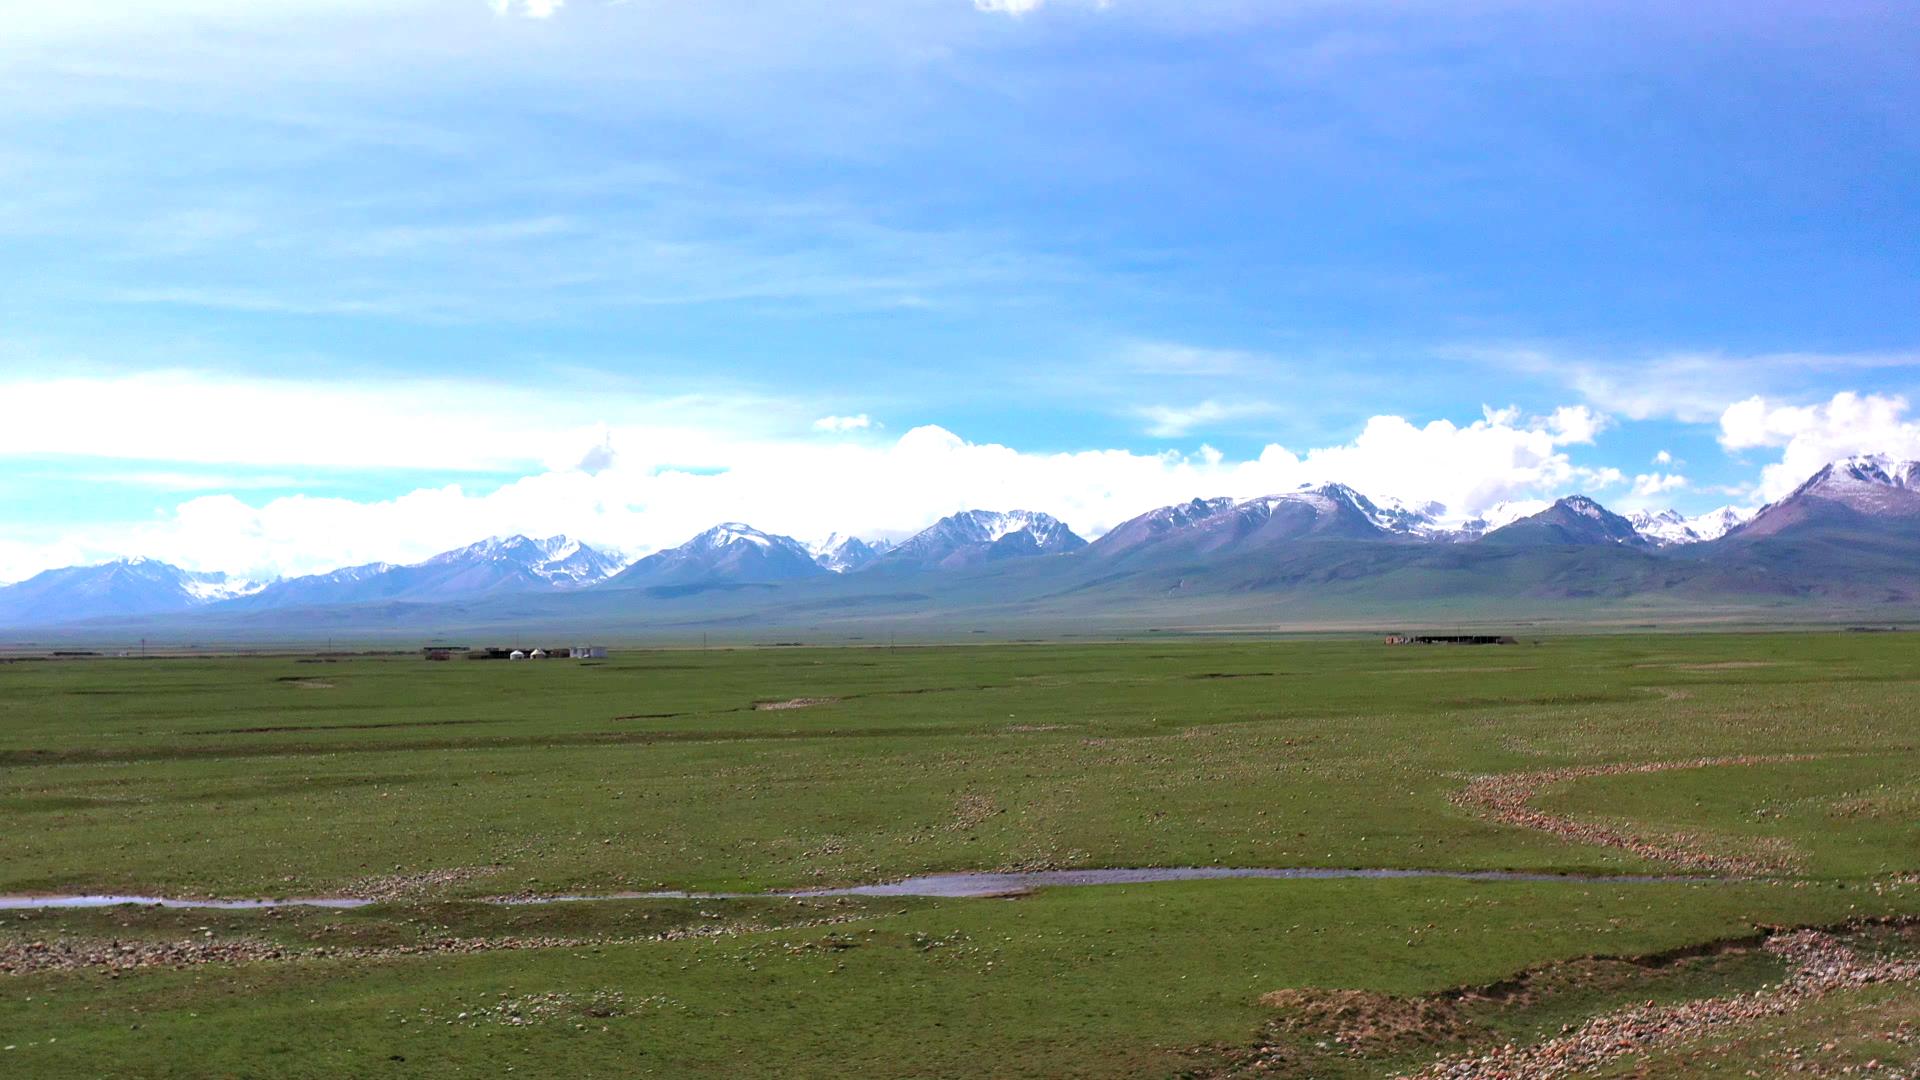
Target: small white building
(588, 652)
(516, 655)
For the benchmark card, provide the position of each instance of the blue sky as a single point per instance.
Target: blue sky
(296, 283)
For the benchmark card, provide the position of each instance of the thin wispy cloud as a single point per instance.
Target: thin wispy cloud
(1172, 421)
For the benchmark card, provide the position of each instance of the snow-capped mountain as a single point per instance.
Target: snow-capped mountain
(500, 564)
(1422, 519)
(124, 587)
(729, 553)
(1499, 516)
(1869, 490)
(1670, 527)
(1854, 527)
(1210, 526)
(976, 536)
(841, 554)
(1573, 521)
(560, 561)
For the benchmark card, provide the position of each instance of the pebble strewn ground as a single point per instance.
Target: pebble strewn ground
(1820, 964)
(1505, 798)
(401, 886)
(82, 954)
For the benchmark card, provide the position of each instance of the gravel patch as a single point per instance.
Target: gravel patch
(1819, 964)
(792, 703)
(86, 954)
(1506, 798)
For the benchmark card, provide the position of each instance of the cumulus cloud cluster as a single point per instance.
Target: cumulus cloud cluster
(1810, 436)
(637, 476)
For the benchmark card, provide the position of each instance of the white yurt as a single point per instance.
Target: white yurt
(517, 655)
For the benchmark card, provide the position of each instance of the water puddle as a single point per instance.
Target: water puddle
(21, 903)
(935, 886)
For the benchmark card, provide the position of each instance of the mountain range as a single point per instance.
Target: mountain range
(1849, 537)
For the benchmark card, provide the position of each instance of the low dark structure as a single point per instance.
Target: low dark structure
(1450, 639)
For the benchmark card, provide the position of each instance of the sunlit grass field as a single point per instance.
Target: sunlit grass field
(435, 785)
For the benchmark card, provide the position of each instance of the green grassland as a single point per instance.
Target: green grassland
(439, 784)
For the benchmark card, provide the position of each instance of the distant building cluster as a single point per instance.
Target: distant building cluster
(1449, 639)
(568, 652)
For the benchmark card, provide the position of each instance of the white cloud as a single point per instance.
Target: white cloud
(1172, 422)
(1810, 436)
(440, 424)
(861, 422)
(1575, 424)
(1688, 386)
(1664, 457)
(1647, 485)
(1015, 8)
(532, 9)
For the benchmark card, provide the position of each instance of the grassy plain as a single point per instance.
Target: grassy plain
(436, 785)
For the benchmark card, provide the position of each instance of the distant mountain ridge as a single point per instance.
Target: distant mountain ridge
(1851, 529)
(732, 552)
(1572, 522)
(491, 567)
(972, 537)
(134, 586)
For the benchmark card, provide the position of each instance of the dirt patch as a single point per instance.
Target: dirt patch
(1717, 665)
(792, 703)
(1505, 798)
(1455, 670)
(1669, 693)
(309, 684)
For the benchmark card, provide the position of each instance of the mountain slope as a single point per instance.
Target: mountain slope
(1217, 527)
(1575, 521)
(1669, 527)
(123, 588)
(497, 565)
(1874, 493)
(841, 554)
(973, 537)
(731, 553)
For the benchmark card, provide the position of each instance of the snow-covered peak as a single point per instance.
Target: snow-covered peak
(1669, 527)
(733, 532)
(1421, 519)
(1866, 475)
(843, 553)
(1502, 514)
(1715, 524)
(994, 525)
(1585, 507)
(559, 560)
(215, 587)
